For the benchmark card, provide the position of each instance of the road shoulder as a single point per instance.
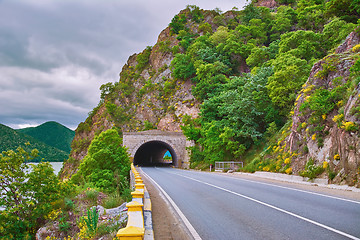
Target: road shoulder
(166, 222)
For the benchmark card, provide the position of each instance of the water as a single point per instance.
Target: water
(56, 166)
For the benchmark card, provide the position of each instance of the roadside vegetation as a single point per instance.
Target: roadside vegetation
(33, 196)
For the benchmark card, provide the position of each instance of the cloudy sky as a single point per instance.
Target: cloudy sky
(55, 54)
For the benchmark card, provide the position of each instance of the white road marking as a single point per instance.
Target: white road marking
(191, 229)
(273, 207)
(298, 190)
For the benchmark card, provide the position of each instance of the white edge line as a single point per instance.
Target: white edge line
(191, 229)
(289, 188)
(276, 208)
(298, 190)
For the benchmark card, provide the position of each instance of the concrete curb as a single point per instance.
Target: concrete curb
(149, 232)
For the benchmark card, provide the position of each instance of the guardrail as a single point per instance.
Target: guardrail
(139, 225)
(221, 166)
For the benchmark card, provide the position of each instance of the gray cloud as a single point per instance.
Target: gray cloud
(54, 55)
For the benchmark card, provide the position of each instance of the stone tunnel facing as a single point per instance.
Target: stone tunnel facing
(152, 154)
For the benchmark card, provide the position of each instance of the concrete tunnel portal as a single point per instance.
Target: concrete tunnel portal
(148, 148)
(152, 154)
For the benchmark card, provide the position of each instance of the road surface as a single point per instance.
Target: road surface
(221, 207)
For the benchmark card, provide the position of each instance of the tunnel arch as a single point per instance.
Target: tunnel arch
(152, 153)
(156, 143)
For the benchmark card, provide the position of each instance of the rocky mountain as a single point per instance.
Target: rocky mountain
(282, 76)
(326, 118)
(11, 139)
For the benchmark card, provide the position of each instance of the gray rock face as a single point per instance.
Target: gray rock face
(339, 146)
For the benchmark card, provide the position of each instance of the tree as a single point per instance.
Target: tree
(28, 193)
(336, 31)
(182, 67)
(348, 10)
(107, 164)
(290, 73)
(302, 44)
(106, 89)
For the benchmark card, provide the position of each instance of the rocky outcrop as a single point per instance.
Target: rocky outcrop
(266, 3)
(333, 137)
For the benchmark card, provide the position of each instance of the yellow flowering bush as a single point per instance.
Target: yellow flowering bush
(53, 214)
(356, 48)
(303, 125)
(338, 119)
(340, 103)
(288, 171)
(287, 161)
(350, 126)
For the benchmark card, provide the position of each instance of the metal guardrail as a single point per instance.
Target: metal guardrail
(222, 166)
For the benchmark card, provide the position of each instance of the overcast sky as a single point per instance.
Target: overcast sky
(55, 54)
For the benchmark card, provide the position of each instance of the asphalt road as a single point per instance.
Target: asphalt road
(222, 207)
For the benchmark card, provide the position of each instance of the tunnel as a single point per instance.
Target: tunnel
(152, 154)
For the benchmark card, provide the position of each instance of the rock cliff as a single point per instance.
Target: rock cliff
(325, 118)
(146, 96)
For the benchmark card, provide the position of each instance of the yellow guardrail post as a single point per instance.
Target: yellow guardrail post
(134, 229)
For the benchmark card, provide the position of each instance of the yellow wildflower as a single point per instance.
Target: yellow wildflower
(325, 164)
(356, 48)
(288, 171)
(349, 126)
(340, 103)
(337, 157)
(313, 137)
(338, 117)
(323, 116)
(287, 161)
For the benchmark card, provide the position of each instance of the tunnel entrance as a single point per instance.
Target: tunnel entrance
(149, 147)
(152, 154)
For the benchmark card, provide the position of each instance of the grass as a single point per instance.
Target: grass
(113, 200)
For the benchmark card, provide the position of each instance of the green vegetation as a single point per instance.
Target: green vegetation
(32, 195)
(10, 139)
(28, 193)
(53, 134)
(248, 70)
(106, 166)
(241, 111)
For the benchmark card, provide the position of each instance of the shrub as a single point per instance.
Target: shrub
(91, 194)
(311, 170)
(113, 200)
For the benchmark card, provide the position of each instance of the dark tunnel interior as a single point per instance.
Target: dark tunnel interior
(152, 154)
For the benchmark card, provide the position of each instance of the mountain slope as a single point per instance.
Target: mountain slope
(53, 134)
(11, 139)
(230, 80)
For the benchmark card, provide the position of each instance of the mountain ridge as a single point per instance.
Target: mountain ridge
(52, 133)
(10, 139)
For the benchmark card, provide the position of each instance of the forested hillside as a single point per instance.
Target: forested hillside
(53, 134)
(11, 139)
(237, 83)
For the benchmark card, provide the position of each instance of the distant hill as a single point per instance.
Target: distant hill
(53, 134)
(11, 139)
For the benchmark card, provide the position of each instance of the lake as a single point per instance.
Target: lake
(56, 166)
